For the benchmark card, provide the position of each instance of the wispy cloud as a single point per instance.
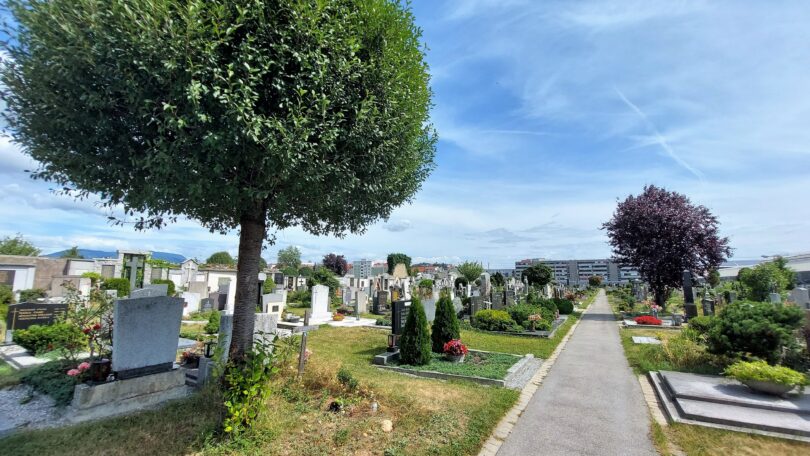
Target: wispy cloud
(657, 137)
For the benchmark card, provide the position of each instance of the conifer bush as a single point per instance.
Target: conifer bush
(415, 344)
(445, 324)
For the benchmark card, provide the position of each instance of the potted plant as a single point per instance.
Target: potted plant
(337, 316)
(455, 351)
(764, 378)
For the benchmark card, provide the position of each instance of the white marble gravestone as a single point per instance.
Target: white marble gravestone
(192, 302)
(362, 301)
(146, 334)
(320, 303)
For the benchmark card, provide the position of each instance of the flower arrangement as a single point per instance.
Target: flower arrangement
(190, 358)
(79, 370)
(338, 316)
(455, 348)
(648, 320)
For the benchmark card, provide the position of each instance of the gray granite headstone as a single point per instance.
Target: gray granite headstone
(801, 297)
(774, 298)
(262, 323)
(510, 297)
(200, 288)
(497, 300)
(150, 291)
(146, 334)
(476, 304)
(206, 305)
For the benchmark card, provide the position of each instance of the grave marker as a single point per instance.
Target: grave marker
(27, 314)
(689, 306)
(145, 336)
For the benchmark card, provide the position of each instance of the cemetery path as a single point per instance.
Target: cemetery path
(590, 402)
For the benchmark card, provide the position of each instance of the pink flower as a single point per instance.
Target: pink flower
(73, 372)
(307, 354)
(83, 366)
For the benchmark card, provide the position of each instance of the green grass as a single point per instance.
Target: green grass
(8, 375)
(476, 364)
(644, 358)
(430, 417)
(704, 441)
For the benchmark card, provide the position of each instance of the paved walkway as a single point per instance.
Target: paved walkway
(590, 403)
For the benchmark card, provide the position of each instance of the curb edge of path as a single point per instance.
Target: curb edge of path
(507, 423)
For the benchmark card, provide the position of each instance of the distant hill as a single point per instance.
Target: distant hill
(90, 253)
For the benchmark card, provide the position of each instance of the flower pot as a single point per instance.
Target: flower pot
(772, 388)
(192, 363)
(454, 358)
(100, 370)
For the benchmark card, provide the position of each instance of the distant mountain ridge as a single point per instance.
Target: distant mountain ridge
(90, 254)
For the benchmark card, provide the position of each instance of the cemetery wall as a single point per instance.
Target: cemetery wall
(45, 269)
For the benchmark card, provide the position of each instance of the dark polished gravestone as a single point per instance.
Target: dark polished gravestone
(380, 304)
(27, 314)
(689, 306)
(399, 316)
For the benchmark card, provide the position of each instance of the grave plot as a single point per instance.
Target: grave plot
(714, 401)
(535, 317)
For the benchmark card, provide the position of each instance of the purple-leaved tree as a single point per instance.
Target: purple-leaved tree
(663, 234)
(336, 264)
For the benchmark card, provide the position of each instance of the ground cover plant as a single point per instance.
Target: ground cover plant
(647, 320)
(761, 371)
(476, 364)
(677, 352)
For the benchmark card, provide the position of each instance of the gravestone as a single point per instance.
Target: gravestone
(201, 288)
(510, 298)
(498, 300)
(111, 293)
(689, 306)
(399, 316)
(362, 301)
(320, 303)
(26, 314)
(274, 302)
(150, 291)
(486, 285)
(774, 298)
(146, 334)
(801, 297)
(347, 297)
(216, 300)
(192, 302)
(380, 305)
(708, 306)
(476, 304)
(206, 305)
(732, 296)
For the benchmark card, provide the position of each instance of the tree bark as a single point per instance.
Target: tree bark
(251, 237)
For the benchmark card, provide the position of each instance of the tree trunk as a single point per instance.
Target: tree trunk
(661, 296)
(251, 237)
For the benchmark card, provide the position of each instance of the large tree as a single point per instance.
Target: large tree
(223, 258)
(663, 234)
(289, 257)
(470, 270)
(336, 264)
(538, 275)
(238, 114)
(17, 245)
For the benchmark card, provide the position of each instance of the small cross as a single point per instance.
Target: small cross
(134, 264)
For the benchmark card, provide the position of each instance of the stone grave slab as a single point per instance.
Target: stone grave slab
(146, 335)
(646, 340)
(151, 290)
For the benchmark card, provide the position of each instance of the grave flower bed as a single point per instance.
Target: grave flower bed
(647, 320)
(475, 364)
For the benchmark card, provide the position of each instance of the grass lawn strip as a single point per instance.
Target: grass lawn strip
(476, 364)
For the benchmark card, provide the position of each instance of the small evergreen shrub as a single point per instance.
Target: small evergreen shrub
(565, 306)
(120, 284)
(51, 378)
(415, 344)
(494, 320)
(32, 295)
(346, 379)
(212, 327)
(42, 339)
(702, 324)
(445, 324)
(755, 330)
(170, 290)
(549, 304)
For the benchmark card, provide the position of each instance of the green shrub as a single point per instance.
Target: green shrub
(701, 324)
(268, 286)
(32, 295)
(415, 345)
(302, 296)
(520, 313)
(445, 324)
(212, 327)
(171, 289)
(346, 379)
(565, 306)
(119, 284)
(762, 372)
(51, 378)
(494, 320)
(761, 330)
(42, 339)
(246, 388)
(684, 353)
(549, 304)
(6, 295)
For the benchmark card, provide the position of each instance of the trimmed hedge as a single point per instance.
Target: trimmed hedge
(119, 284)
(565, 306)
(171, 289)
(42, 339)
(494, 320)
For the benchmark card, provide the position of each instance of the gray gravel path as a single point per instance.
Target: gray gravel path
(590, 402)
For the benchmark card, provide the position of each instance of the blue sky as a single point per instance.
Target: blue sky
(547, 112)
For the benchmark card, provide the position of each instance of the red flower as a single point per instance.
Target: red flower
(455, 348)
(647, 320)
(97, 326)
(86, 330)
